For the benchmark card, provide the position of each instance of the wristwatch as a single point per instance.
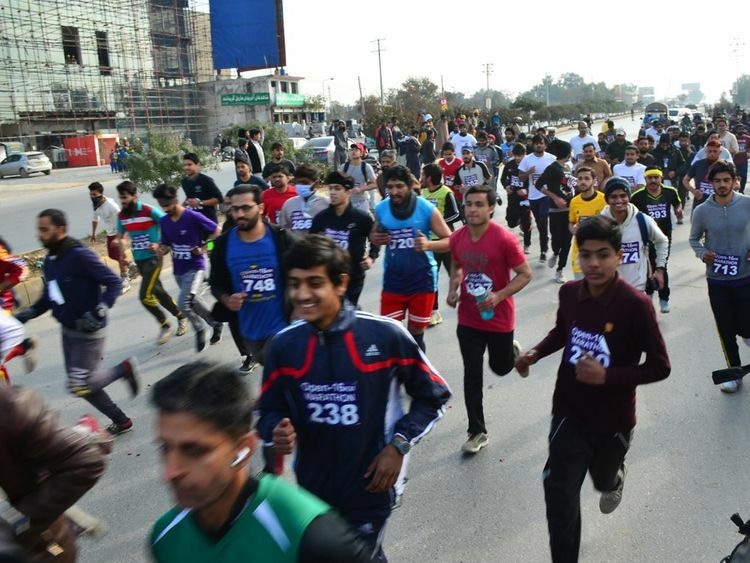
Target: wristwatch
(401, 444)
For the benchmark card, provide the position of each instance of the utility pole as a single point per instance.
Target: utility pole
(380, 68)
(487, 98)
(361, 98)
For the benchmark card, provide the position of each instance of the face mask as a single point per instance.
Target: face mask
(97, 201)
(304, 190)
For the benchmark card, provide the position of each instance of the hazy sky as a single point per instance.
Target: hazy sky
(333, 38)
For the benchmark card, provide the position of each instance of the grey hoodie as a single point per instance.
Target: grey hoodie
(724, 230)
(297, 213)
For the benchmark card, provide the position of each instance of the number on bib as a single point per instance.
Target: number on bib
(334, 414)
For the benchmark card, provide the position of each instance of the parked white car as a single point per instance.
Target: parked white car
(25, 163)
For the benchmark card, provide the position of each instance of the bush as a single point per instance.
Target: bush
(159, 160)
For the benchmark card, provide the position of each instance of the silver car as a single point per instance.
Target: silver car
(25, 163)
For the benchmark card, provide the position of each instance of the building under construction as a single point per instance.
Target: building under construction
(72, 67)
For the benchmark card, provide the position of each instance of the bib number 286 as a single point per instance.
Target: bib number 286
(333, 413)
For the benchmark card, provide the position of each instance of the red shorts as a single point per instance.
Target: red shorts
(113, 249)
(419, 306)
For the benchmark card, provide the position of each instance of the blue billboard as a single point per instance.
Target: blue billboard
(247, 35)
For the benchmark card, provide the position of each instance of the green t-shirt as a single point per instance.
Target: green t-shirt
(269, 528)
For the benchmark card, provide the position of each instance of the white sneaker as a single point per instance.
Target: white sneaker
(435, 318)
(527, 250)
(552, 262)
(560, 277)
(731, 386)
(475, 443)
(664, 305)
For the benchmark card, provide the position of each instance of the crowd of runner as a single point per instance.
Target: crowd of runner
(287, 267)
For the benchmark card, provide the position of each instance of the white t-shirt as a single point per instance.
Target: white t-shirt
(633, 174)
(577, 143)
(539, 163)
(460, 142)
(729, 141)
(106, 214)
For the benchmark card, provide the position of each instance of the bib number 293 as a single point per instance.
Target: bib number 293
(334, 414)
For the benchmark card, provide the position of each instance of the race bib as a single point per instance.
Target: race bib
(481, 158)
(259, 283)
(341, 238)
(301, 221)
(726, 265)
(140, 241)
(181, 252)
(665, 161)
(401, 239)
(471, 180)
(333, 404)
(449, 179)
(534, 178)
(475, 280)
(631, 180)
(657, 210)
(631, 252)
(741, 145)
(706, 187)
(516, 182)
(582, 342)
(433, 202)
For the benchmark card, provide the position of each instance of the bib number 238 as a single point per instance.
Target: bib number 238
(334, 414)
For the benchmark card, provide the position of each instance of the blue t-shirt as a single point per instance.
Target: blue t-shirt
(142, 227)
(183, 235)
(407, 271)
(255, 270)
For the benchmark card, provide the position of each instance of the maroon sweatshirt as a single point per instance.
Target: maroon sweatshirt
(615, 328)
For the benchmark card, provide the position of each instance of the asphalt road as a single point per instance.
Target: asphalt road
(687, 465)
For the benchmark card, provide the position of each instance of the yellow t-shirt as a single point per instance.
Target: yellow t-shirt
(580, 210)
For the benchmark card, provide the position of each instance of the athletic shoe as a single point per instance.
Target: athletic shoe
(731, 386)
(125, 285)
(679, 221)
(610, 500)
(435, 318)
(133, 271)
(29, 354)
(543, 257)
(165, 333)
(248, 365)
(115, 429)
(131, 375)
(516, 350)
(88, 426)
(664, 305)
(527, 250)
(552, 262)
(182, 326)
(216, 334)
(475, 443)
(560, 277)
(200, 340)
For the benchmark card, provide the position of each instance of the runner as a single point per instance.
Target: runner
(13, 341)
(720, 237)
(553, 183)
(187, 233)
(244, 175)
(463, 139)
(449, 166)
(73, 281)
(669, 159)
(603, 325)
(615, 152)
(644, 145)
(387, 160)
(441, 196)
(631, 170)
(279, 192)
(332, 388)
(583, 138)
(349, 228)
(472, 173)
(530, 169)
(588, 203)
(141, 223)
(247, 270)
(486, 153)
(363, 175)
(483, 254)
(702, 187)
(404, 223)
(638, 231)
(741, 156)
(660, 202)
(105, 211)
(277, 158)
(298, 212)
(204, 430)
(201, 192)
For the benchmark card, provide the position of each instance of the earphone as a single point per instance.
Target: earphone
(241, 456)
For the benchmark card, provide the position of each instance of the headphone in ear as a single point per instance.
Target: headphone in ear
(242, 455)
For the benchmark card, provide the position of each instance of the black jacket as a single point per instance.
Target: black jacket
(221, 278)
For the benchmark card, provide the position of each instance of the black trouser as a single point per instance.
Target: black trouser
(664, 292)
(372, 532)
(442, 259)
(575, 450)
(354, 290)
(239, 341)
(540, 209)
(558, 226)
(152, 293)
(742, 173)
(473, 343)
(731, 307)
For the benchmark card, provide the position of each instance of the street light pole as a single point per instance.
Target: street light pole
(328, 99)
(380, 69)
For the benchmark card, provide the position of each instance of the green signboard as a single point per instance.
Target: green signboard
(253, 99)
(290, 100)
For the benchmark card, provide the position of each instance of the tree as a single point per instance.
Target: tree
(416, 95)
(741, 90)
(159, 160)
(526, 104)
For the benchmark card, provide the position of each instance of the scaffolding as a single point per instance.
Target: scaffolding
(69, 67)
